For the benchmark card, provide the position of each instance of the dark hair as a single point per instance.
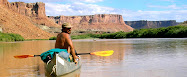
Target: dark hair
(62, 29)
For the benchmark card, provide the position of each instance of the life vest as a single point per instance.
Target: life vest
(48, 55)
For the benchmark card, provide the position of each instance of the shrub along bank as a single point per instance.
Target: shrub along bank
(168, 32)
(10, 37)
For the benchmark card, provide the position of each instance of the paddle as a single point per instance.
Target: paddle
(98, 53)
(25, 56)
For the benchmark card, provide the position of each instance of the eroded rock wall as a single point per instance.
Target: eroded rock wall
(150, 24)
(29, 9)
(98, 22)
(36, 11)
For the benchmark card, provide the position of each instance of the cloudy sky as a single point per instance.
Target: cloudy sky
(131, 10)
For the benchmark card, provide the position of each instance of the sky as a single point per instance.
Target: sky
(131, 10)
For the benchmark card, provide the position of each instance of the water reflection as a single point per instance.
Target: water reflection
(102, 45)
(22, 67)
(153, 57)
(95, 65)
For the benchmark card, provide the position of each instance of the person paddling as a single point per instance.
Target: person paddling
(64, 41)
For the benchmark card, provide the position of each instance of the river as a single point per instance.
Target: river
(140, 57)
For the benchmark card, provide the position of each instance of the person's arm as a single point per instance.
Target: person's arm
(67, 38)
(69, 49)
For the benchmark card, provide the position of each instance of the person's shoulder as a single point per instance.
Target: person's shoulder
(65, 34)
(58, 34)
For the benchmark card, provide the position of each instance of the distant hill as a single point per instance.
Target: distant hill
(143, 24)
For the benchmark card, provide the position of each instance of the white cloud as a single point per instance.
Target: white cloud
(184, 6)
(180, 15)
(33, 1)
(91, 1)
(165, 7)
(168, 0)
(128, 15)
(76, 9)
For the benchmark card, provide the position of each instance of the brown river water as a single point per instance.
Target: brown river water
(142, 57)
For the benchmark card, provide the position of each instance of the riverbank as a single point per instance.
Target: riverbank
(178, 31)
(168, 32)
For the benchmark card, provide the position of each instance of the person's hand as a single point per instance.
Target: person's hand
(77, 58)
(75, 62)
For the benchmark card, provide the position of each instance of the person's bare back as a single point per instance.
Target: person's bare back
(61, 41)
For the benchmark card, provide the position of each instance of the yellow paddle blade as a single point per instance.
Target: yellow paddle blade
(103, 53)
(23, 56)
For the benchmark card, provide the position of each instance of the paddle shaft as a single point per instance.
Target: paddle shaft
(77, 54)
(36, 55)
(99, 53)
(83, 54)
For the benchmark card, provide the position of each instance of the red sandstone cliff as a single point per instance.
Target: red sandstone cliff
(13, 22)
(98, 22)
(36, 11)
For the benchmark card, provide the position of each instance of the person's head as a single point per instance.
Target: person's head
(66, 27)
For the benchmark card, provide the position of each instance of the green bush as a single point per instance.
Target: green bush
(52, 38)
(176, 31)
(169, 32)
(16, 37)
(10, 37)
(81, 36)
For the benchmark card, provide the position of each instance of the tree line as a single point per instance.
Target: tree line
(164, 32)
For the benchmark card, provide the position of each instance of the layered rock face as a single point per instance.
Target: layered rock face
(150, 24)
(15, 22)
(98, 22)
(29, 9)
(36, 11)
(4, 2)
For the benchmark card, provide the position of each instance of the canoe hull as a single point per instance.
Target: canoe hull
(59, 66)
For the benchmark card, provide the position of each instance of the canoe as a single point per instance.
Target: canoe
(59, 66)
